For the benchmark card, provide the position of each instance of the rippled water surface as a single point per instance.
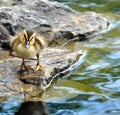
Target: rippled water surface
(93, 88)
(96, 82)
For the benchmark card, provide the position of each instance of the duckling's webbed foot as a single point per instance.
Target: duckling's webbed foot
(23, 67)
(39, 67)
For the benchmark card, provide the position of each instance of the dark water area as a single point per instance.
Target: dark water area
(93, 88)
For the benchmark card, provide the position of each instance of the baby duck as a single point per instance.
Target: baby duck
(27, 44)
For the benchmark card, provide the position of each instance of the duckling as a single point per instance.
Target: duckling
(28, 44)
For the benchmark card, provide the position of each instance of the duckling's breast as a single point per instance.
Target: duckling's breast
(26, 52)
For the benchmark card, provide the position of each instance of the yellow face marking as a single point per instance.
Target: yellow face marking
(27, 41)
(23, 37)
(32, 39)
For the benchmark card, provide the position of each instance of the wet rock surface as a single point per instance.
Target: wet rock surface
(52, 20)
(55, 61)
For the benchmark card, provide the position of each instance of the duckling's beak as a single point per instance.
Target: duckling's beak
(27, 44)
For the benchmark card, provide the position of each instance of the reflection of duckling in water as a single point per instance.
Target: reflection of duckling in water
(27, 44)
(33, 108)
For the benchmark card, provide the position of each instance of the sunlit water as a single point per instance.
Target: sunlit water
(93, 88)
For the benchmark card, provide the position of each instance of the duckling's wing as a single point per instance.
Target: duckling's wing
(40, 41)
(14, 42)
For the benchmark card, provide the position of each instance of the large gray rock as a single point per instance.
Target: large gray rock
(54, 21)
(56, 62)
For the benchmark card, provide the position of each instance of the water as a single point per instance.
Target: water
(93, 88)
(96, 82)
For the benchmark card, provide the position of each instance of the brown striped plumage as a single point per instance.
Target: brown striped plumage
(27, 44)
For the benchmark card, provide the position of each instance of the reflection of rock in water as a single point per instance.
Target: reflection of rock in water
(32, 108)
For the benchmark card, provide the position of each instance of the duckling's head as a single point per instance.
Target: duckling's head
(28, 38)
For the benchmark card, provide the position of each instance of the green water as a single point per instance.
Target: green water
(96, 82)
(93, 88)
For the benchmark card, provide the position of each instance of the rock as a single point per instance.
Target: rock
(10, 2)
(56, 62)
(51, 19)
(4, 38)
